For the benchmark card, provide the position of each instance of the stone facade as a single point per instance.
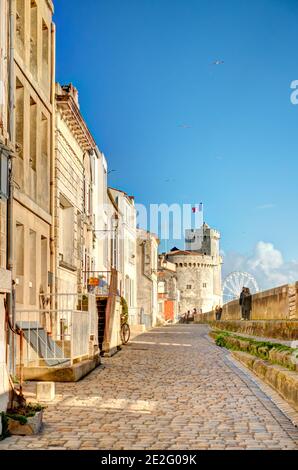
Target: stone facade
(199, 273)
(127, 241)
(101, 213)
(32, 167)
(6, 141)
(280, 303)
(168, 293)
(74, 159)
(147, 278)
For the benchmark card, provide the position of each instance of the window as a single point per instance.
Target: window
(44, 196)
(20, 26)
(45, 53)
(204, 285)
(66, 234)
(33, 38)
(19, 117)
(33, 132)
(44, 263)
(32, 267)
(19, 258)
(189, 287)
(2, 235)
(3, 175)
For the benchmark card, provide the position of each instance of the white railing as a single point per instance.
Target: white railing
(134, 316)
(61, 332)
(80, 335)
(137, 316)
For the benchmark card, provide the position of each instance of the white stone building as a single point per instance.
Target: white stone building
(168, 293)
(128, 242)
(101, 211)
(74, 168)
(147, 276)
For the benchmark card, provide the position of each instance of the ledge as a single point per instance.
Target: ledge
(286, 330)
(283, 381)
(72, 373)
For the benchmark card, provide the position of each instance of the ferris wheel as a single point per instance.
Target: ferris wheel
(234, 283)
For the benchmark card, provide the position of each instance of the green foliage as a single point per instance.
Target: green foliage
(124, 313)
(259, 349)
(22, 413)
(221, 341)
(5, 431)
(22, 419)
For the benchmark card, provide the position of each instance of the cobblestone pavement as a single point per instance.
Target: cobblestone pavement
(171, 388)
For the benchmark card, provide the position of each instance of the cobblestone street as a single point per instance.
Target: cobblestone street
(171, 388)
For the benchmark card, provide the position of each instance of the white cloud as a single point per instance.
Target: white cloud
(266, 258)
(266, 264)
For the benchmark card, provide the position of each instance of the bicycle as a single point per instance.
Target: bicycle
(125, 333)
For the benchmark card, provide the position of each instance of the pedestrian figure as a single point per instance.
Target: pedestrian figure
(218, 312)
(245, 302)
(241, 302)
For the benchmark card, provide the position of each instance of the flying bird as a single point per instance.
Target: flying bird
(185, 126)
(218, 62)
(170, 180)
(111, 171)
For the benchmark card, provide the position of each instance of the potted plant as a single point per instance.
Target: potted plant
(25, 420)
(83, 303)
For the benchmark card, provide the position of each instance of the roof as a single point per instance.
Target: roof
(110, 196)
(131, 198)
(67, 102)
(142, 233)
(183, 252)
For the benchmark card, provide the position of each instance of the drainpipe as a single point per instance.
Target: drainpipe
(53, 260)
(10, 223)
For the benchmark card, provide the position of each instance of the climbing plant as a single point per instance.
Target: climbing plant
(124, 312)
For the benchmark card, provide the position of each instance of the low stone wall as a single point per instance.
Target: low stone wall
(281, 380)
(61, 374)
(283, 330)
(280, 303)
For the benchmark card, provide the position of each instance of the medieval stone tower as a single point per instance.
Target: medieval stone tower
(199, 270)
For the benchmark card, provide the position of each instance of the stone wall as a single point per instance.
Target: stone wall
(280, 303)
(198, 280)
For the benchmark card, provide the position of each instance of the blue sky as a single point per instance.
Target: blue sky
(144, 67)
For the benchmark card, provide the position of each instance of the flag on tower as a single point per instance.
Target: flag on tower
(197, 209)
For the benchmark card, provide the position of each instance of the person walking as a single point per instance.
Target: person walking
(218, 312)
(247, 303)
(241, 302)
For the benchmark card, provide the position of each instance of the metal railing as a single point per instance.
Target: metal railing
(59, 333)
(97, 282)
